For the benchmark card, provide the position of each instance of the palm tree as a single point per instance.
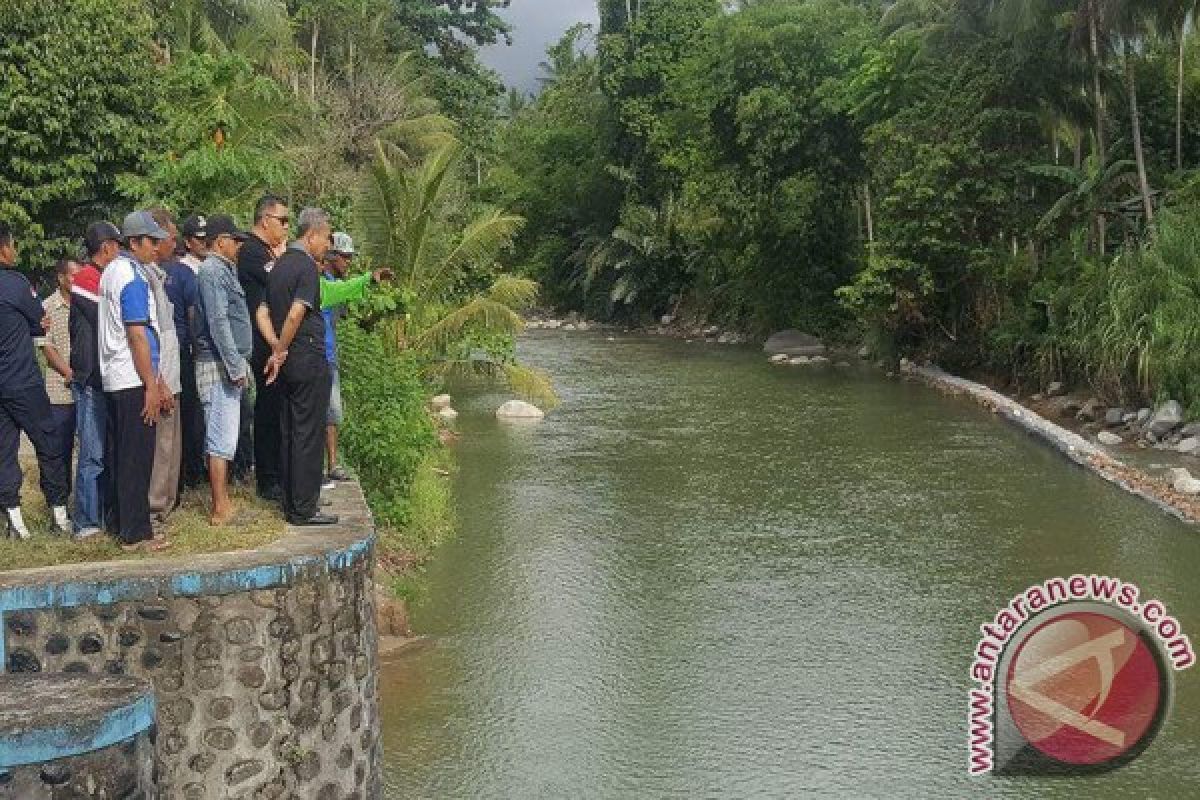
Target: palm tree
(411, 216)
(1175, 18)
(1090, 191)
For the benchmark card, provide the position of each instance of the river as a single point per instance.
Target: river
(705, 576)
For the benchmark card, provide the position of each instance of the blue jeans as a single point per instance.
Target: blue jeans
(91, 418)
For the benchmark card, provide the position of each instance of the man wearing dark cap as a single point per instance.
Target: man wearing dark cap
(224, 342)
(183, 292)
(24, 405)
(129, 368)
(255, 262)
(102, 242)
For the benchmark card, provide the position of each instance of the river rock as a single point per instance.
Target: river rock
(1114, 417)
(778, 358)
(1189, 445)
(440, 401)
(552, 324)
(794, 343)
(1090, 412)
(818, 360)
(447, 415)
(798, 361)
(1182, 481)
(864, 352)
(1056, 389)
(570, 326)
(1191, 429)
(518, 409)
(1143, 414)
(1167, 418)
(1106, 438)
(667, 319)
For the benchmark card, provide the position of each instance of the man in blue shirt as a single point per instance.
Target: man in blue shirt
(182, 289)
(24, 405)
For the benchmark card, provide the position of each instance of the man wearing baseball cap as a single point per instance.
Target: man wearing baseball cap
(336, 291)
(184, 293)
(102, 243)
(224, 343)
(129, 355)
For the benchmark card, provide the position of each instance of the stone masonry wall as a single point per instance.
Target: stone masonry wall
(263, 663)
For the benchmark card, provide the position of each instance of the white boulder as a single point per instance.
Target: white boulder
(778, 358)
(519, 409)
(447, 415)
(1189, 445)
(1107, 438)
(1182, 481)
(440, 401)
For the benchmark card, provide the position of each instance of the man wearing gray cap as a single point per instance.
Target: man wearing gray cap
(129, 355)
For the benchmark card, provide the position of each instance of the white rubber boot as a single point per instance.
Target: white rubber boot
(61, 521)
(16, 524)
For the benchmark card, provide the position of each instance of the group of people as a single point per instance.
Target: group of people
(153, 345)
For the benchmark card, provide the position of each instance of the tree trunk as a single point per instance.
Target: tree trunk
(869, 212)
(1179, 102)
(1138, 155)
(312, 72)
(1098, 103)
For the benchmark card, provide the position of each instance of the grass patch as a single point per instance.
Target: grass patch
(405, 549)
(257, 523)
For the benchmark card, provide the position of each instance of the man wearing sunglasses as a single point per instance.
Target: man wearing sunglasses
(255, 260)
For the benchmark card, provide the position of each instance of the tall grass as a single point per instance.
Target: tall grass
(1134, 322)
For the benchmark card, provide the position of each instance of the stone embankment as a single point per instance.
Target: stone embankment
(1088, 454)
(255, 670)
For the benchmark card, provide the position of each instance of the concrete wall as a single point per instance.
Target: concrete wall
(262, 662)
(75, 736)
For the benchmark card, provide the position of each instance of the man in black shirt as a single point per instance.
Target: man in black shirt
(255, 262)
(290, 322)
(24, 405)
(102, 241)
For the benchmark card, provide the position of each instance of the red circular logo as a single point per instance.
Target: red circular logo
(1086, 689)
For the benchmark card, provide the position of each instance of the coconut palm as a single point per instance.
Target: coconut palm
(449, 295)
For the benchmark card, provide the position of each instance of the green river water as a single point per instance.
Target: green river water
(707, 577)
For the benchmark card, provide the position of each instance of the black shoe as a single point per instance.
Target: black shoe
(315, 519)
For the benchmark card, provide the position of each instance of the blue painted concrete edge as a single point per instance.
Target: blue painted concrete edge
(186, 584)
(50, 744)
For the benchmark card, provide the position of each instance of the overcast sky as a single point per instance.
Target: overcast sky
(536, 24)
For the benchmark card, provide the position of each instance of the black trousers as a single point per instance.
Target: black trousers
(63, 419)
(128, 462)
(29, 410)
(267, 445)
(304, 385)
(191, 418)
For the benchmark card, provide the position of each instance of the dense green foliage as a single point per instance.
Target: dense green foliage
(1003, 186)
(387, 430)
(78, 94)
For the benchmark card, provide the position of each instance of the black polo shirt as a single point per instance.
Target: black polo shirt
(294, 279)
(20, 320)
(253, 267)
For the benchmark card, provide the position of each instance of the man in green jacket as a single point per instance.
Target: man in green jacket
(336, 292)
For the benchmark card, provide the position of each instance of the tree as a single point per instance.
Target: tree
(77, 110)
(450, 300)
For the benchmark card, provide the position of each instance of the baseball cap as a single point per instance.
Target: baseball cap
(141, 223)
(342, 243)
(222, 225)
(195, 226)
(98, 233)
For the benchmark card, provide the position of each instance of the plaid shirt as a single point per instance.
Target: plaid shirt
(58, 337)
